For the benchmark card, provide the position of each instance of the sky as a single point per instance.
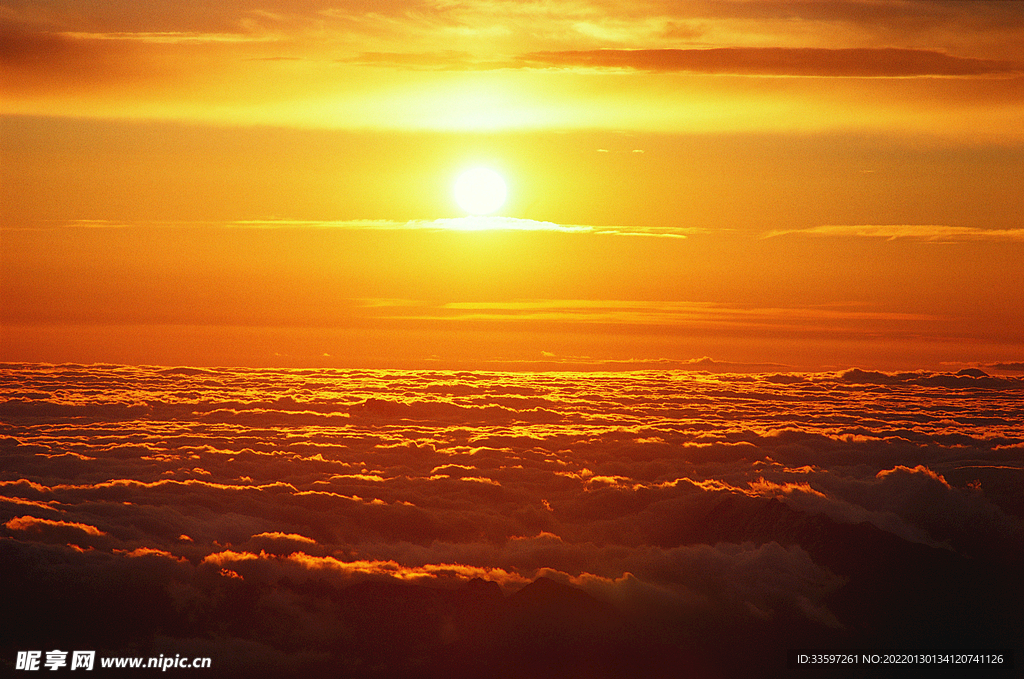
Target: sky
(813, 185)
(383, 524)
(735, 368)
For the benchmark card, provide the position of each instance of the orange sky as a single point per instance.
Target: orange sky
(807, 184)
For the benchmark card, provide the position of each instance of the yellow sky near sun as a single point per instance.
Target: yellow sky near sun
(916, 67)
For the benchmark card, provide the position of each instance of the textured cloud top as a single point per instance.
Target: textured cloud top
(364, 523)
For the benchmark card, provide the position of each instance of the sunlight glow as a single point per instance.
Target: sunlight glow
(480, 191)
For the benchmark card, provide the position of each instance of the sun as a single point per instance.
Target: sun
(480, 191)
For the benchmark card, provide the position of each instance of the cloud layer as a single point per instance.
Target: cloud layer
(370, 522)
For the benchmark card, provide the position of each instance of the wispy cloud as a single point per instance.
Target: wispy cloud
(465, 224)
(552, 361)
(661, 313)
(473, 223)
(168, 37)
(1012, 366)
(921, 232)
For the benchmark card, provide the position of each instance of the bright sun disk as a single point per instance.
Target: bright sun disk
(480, 191)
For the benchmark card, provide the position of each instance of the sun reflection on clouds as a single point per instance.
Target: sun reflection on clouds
(30, 523)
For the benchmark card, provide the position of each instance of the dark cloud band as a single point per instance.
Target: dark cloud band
(854, 62)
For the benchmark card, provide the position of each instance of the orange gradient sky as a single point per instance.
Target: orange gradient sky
(791, 183)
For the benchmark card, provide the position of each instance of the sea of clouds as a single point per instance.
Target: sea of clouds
(415, 523)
